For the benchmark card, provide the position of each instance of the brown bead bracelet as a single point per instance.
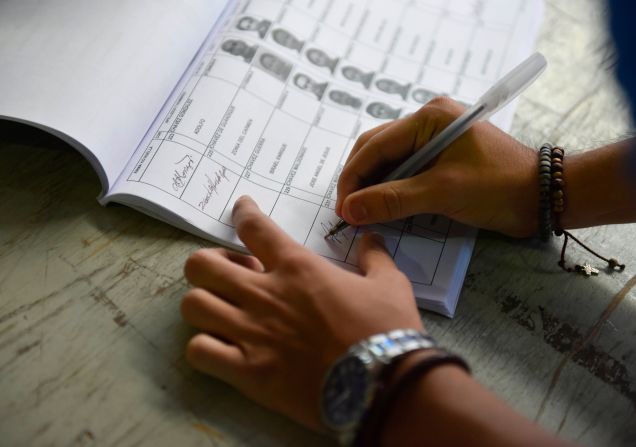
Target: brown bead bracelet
(552, 203)
(557, 185)
(545, 179)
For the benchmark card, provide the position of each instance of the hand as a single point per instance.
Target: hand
(273, 324)
(485, 178)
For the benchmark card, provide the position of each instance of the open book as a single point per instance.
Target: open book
(182, 107)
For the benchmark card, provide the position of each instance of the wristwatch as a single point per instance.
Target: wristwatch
(351, 383)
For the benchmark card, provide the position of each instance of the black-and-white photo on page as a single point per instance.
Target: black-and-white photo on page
(383, 111)
(422, 95)
(345, 99)
(287, 89)
(355, 74)
(237, 47)
(274, 65)
(286, 39)
(321, 59)
(393, 87)
(308, 84)
(259, 26)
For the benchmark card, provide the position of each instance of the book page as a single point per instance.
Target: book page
(276, 104)
(96, 73)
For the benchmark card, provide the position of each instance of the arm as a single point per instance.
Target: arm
(599, 188)
(273, 324)
(462, 412)
(485, 178)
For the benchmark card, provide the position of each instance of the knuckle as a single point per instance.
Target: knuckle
(248, 224)
(195, 263)
(401, 279)
(392, 200)
(195, 349)
(344, 176)
(439, 101)
(348, 175)
(262, 369)
(192, 301)
(441, 107)
(366, 135)
(398, 282)
(445, 103)
(296, 261)
(451, 179)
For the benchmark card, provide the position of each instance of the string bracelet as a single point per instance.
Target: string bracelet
(550, 220)
(386, 398)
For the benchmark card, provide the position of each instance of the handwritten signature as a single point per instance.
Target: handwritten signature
(181, 173)
(338, 238)
(211, 186)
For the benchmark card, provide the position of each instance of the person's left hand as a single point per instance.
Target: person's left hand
(273, 324)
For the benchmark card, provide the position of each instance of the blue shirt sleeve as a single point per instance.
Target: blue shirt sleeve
(622, 15)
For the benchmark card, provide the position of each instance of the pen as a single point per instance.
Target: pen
(500, 94)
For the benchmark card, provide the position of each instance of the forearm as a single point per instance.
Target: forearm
(448, 408)
(598, 186)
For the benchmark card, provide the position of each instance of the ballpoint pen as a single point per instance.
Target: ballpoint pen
(500, 94)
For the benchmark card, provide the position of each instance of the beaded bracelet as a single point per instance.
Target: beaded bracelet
(552, 204)
(557, 185)
(545, 179)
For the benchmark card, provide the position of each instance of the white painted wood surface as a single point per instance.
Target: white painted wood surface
(91, 341)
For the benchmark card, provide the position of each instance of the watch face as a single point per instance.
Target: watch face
(345, 393)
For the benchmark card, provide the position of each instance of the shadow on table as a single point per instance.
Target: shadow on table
(44, 181)
(521, 320)
(212, 410)
(41, 177)
(556, 345)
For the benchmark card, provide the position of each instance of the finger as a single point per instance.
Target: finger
(366, 136)
(247, 261)
(214, 270)
(373, 258)
(389, 201)
(396, 143)
(216, 358)
(266, 240)
(213, 315)
(379, 153)
(361, 141)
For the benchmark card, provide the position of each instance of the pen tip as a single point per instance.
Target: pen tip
(336, 229)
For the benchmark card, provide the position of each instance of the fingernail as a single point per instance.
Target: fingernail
(358, 212)
(238, 202)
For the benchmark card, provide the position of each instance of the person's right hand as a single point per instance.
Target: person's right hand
(485, 178)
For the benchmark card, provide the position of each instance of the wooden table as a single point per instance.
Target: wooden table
(91, 341)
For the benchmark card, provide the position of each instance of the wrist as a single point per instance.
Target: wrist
(522, 188)
(351, 384)
(575, 186)
(425, 396)
(598, 189)
(402, 380)
(446, 407)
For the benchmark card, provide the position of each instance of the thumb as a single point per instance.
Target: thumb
(373, 256)
(389, 201)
